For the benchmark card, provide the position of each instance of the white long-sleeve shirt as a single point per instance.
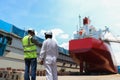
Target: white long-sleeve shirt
(49, 51)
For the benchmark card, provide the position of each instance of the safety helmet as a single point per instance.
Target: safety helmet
(31, 30)
(48, 33)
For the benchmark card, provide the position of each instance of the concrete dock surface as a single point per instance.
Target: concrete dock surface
(85, 77)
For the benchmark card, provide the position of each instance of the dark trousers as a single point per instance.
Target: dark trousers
(30, 65)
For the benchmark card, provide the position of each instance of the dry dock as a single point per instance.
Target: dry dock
(86, 77)
(19, 75)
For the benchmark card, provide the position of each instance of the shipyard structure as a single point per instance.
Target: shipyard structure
(11, 50)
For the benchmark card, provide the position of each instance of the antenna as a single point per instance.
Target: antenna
(79, 21)
(77, 28)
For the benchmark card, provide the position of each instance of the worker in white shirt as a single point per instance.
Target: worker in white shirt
(48, 56)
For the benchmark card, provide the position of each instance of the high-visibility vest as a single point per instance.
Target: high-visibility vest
(30, 49)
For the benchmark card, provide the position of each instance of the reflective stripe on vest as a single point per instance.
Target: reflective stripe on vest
(30, 49)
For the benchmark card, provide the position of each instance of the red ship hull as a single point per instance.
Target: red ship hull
(93, 55)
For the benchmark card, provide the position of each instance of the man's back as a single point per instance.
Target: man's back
(51, 48)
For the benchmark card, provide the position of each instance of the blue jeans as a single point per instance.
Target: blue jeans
(33, 64)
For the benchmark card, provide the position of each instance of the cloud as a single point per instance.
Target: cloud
(41, 33)
(65, 45)
(64, 36)
(57, 31)
(61, 35)
(58, 35)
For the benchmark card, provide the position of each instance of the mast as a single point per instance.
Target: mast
(79, 21)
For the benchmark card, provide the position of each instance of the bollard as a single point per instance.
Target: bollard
(37, 73)
(1, 74)
(40, 73)
(44, 72)
(4, 75)
(17, 76)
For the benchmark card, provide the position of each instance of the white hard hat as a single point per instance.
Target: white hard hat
(48, 33)
(30, 29)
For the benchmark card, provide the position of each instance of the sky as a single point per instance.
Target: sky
(61, 17)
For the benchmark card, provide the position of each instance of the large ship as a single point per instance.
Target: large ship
(90, 51)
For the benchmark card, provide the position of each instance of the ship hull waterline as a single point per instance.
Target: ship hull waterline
(93, 56)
